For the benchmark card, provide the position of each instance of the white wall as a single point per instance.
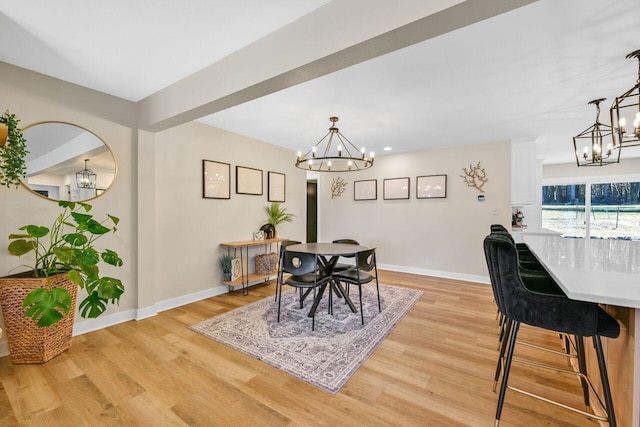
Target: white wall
(190, 228)
(440, 237)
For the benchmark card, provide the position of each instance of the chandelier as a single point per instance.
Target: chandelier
(86, 178)
(341, 156)
(589, 145)
(626, 111)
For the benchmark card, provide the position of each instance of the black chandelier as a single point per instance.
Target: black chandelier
(589, 144)
(626, 111)
(86, 178)
(342, 156)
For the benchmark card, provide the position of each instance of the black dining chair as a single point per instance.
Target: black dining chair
(361, 275)
(552, 312)
(344, 266)
(283, 245)
(305, 274)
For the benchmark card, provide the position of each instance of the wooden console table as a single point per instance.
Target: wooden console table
(245, 278)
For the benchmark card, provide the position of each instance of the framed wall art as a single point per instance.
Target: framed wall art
(431, 187)
(215, 180)
(395, 188)
(248, 181)
(276, 186)
(365, 190)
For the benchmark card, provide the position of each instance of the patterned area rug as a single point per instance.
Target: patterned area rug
(326, 357)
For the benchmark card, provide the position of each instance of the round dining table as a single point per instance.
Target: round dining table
(328, 254)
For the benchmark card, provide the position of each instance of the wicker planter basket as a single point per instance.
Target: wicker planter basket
(29, 343)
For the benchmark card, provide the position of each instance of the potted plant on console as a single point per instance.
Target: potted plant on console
(38, 305)
(275, 215)
(226, 264)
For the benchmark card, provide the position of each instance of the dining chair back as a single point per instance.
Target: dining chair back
(341, 266)
(305, 274)
(283, 245)
(361, 274)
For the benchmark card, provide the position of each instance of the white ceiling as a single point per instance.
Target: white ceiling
(528, 72)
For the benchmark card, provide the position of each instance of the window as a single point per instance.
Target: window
(599, 210)
(563, 209)
(615, 211)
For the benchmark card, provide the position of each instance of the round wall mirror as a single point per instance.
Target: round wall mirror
(67, 162)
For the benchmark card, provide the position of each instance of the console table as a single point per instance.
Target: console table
(243, 247)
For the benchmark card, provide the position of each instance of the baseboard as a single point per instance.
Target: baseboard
(89, 325)
(189, 298)
(435, 273)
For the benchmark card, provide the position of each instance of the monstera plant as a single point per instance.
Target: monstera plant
(68, 248)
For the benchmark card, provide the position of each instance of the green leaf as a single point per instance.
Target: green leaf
(92, 306)
(18, 236)
(64, 254)
(92, 283)
(88, 256)
(110, 288)
(75, 239)
(112, 258)
(47, 307)
(65, 204)
(80, 217)
(85, 206)
(95, 227)
(115, 219)
(90, 269)
(35, 231)
(21, 247)
(76, 277)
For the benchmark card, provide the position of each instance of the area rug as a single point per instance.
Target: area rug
(326, 357)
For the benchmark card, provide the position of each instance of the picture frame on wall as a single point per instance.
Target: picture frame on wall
(276, 187)
(365, 190)
(395, 189)
(248, 181)
(431, 187)
(216, 183)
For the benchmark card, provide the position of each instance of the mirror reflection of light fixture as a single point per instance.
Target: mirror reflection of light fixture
(589, 145)
(625, 113)
(344, 158)
(86, 178)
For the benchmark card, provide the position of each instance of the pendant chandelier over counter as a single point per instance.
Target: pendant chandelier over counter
(589, 145)
(342, 156)
(625, 112)
(86, 178)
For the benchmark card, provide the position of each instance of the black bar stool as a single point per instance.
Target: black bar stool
(552, 312)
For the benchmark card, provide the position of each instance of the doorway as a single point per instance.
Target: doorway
(312, 211)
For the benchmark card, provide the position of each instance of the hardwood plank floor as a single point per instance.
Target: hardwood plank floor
(434, 369)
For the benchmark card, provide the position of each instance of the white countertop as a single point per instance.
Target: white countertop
(596, 270)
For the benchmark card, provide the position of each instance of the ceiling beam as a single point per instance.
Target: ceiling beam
(338, 35)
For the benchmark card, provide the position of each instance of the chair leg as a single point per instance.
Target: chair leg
(503, 349)
(302, 299)
(361, 310)
(279, 301)
(605, 381)
(378, 290)
(582, 364)
(313, 317)
(507, 367)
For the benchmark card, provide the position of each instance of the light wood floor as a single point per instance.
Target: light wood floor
(434, 369)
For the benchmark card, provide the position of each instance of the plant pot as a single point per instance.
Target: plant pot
(4, 132)
(29, 343)
(226, 276)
